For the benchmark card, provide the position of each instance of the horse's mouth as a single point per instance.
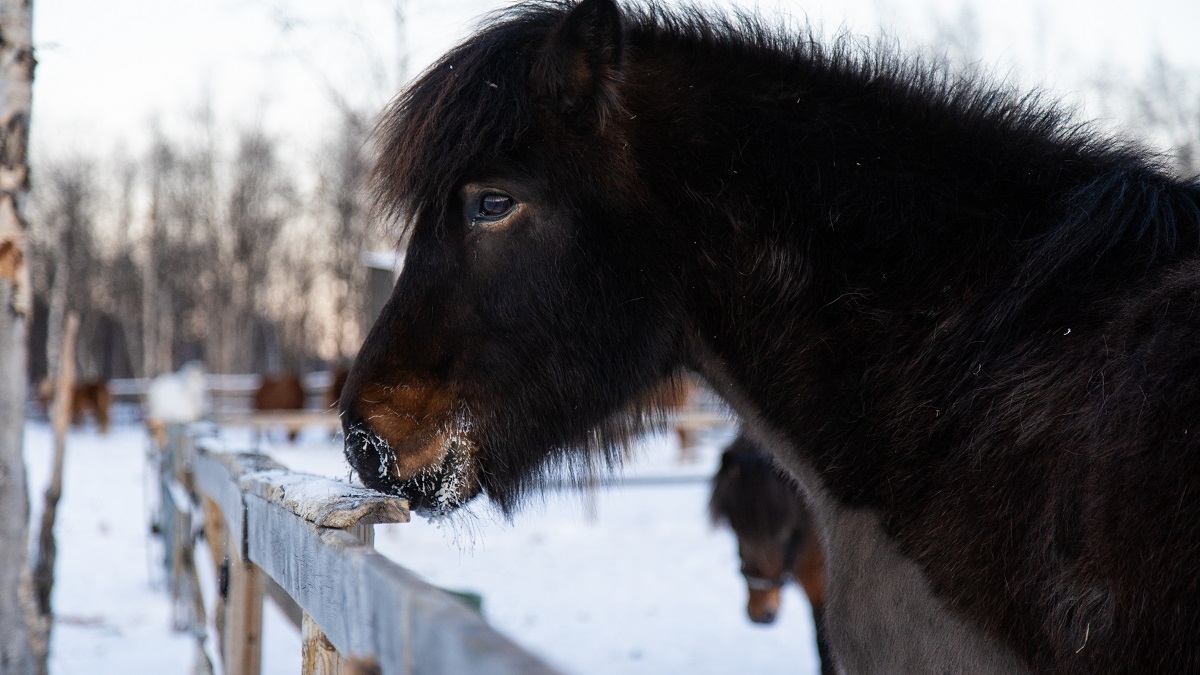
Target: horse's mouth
(432, 491)
(438, 491)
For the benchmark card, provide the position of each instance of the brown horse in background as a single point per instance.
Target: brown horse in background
(92, 396)
(777, 540)
(282, 392)
(88, 396)
(675, 397)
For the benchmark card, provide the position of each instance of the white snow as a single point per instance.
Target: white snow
(112, 614)
(646, 587)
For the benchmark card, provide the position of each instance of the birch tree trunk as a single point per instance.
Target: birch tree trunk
(16, 96)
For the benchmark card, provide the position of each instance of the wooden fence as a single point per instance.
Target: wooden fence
(228, 393)
(307, 542)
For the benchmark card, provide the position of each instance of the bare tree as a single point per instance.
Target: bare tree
(1167, 103)
(207, 249)
(85, 239)
(178, 250)
(65, 248)
(958, 40)
(1162, 106)
(260, 201)
(347, 217)
(16, 95)
(118, 296)
(157, 312)
(293, 293)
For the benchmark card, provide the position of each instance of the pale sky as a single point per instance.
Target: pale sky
(109, 69)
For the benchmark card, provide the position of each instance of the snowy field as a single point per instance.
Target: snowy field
(644, 586)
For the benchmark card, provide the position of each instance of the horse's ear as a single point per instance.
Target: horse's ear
(578, 71)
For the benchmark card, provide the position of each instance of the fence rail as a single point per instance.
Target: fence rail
(310, 539)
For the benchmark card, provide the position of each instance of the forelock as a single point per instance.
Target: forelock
(467, 109)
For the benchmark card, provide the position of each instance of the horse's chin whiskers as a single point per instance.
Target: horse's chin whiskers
(454, 471)
(436, 489)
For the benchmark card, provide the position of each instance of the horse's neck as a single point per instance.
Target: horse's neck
(807, 199)
(806, 208)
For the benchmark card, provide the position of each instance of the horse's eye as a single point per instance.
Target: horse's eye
(494, 205)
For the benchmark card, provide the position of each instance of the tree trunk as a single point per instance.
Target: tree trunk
(58, 304)
(149, 320)
(16, 96)
(47, 549)
(165, 333)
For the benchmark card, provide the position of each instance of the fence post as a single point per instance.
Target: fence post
(218, 549)
(237, 616)
(318, 655)
(187, 607)
(242, 652)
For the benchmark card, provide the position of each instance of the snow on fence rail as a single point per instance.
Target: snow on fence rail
(308, 541)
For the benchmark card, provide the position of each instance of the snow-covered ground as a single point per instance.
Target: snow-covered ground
(112, 615)
(646, 586)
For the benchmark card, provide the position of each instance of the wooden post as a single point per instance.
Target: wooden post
(243, 613)
(187, 610)
(319, 656)
(175, 524)
(237, 616)
(218, 547)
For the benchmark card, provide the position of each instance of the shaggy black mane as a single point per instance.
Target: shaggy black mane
(428, 139)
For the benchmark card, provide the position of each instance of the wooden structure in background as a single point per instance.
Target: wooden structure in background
(309, 542)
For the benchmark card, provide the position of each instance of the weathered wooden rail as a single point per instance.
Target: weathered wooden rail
(308, 542)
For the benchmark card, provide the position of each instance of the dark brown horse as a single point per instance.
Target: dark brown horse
(93, 397)
(88, 397)
(777, 539)
(280, 393)
(965, 324)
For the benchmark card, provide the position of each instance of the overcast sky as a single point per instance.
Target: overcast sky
(109, 69)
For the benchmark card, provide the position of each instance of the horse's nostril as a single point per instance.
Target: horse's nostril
(368, 454)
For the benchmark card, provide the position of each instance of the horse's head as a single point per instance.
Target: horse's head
(534, 310)
(766, 515)
(766, 568)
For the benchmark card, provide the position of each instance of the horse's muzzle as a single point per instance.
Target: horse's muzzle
(434, 490)
(371, 457)
(766, 617)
